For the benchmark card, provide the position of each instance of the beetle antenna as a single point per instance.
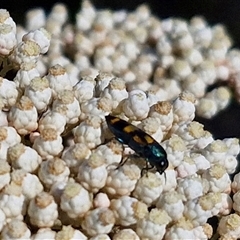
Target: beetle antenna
(165, 176)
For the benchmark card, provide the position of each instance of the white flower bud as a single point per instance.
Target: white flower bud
(49, 143)
(8, 138)
(182, 229)
(89, 132)
(12, 202)
(183, 108)
(200, 209)
(98, 221)
(187, 167)
(23, 157)
(228, 227)
(7, 38)
(40, 93)
(52, 120)
(100, 237)
(84, 89)
(4, 174)
(151, 126)
(44, 233)
(30, 183)
(25, 74)
(218, 179)
(41, 37)
(136, 105)
(111, 152)
(42, 210)
(175, 148)
(70, 233)
(101, 200)
(35, 19)
(102, 81)
(148, 188)
(92, 173)
(8, 92)
(172, 203)
(52, 171)
(116, 91)
(16, 229)
(74, 155)
(75, 200)
(6, 19)
(23, 116)
(122, 181)
(190, 188)
(128, 210)
(86, 16)
(96, 107)
(180, 69)
(126, 233)
(194, 84)
(25, 52)
(236, 183)
(206, 71)
(58, 79)
(66, 104)
(154, 225)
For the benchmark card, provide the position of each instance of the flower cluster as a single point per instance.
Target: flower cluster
(60, 172)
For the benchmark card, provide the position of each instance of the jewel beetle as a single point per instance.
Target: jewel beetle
(142, 143)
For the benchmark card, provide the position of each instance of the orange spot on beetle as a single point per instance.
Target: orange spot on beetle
(129, 128)
(137, 139)
(114, 120)
(149, 139)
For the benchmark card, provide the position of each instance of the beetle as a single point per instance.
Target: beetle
(142, 143)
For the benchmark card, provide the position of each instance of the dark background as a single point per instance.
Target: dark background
(225, 124)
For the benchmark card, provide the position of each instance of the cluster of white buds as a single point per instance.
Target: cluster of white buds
(8, 33)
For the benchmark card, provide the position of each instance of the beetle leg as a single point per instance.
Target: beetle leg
(109, 140)
(147, 168)
(165, 176)
(123, 161)
(125, 158)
